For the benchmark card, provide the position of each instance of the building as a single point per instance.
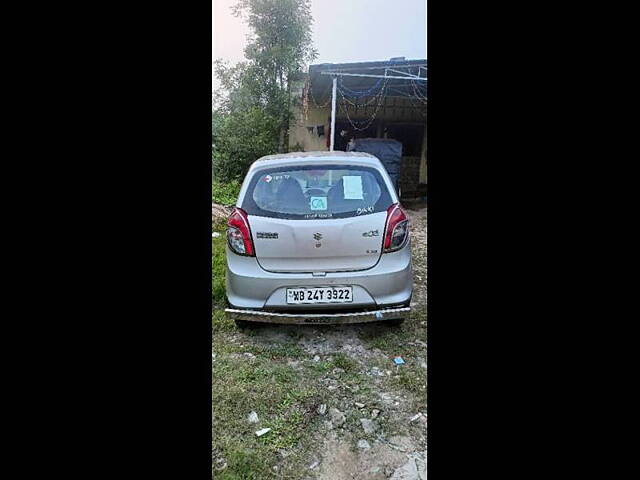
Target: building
(382, 99)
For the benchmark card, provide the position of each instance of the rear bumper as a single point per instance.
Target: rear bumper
(317, 318)
(387, 284)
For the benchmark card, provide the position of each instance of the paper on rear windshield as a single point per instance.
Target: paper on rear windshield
(352, 187)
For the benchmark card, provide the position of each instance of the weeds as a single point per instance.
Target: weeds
(226, 193)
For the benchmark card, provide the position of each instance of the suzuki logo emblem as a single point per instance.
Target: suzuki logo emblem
(317, 236)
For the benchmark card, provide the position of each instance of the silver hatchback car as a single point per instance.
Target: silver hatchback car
(318, 238)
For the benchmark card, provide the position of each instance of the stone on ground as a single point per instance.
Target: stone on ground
(408, 471)
(337, 417)
(364, 444)
(403, 443)
(368, 425)
(253, 417)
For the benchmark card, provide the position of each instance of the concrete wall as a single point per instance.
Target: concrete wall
(298, 133)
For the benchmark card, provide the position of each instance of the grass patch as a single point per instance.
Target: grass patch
(244, 464)
(284, 350)
(219, 225)
(320, 367)
(271, 352)
(389, 340)
(340, 360)
(221, 323)
(412, 379)
(284, 402)
(399, 341)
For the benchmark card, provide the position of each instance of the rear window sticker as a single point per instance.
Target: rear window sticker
(364, 210)
(318, 203)
(352, 187)
(268, 178)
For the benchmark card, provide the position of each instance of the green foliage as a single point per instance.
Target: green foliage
(240, 138)
(282, 39)
(253, 107)
(226, 193)
(243, 88)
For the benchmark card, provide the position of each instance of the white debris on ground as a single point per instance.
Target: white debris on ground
(421, 416)
(363, 444)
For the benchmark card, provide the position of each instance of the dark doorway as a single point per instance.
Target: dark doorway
(410, 135)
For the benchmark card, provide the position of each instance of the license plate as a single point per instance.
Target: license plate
(319, 295)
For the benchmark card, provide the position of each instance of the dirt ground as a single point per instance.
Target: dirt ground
(360, 415)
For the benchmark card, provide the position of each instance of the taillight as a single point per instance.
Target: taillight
(396, 231)
(239, 233)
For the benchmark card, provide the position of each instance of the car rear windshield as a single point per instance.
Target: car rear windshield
(308, 192)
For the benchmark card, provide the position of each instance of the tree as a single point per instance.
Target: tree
(280, 47)
(253, 108)
(244, 128)
(241, 90)
(239, 139)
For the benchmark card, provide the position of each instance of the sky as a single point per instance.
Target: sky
(343, 30)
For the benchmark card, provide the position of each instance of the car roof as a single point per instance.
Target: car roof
(358, 158)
